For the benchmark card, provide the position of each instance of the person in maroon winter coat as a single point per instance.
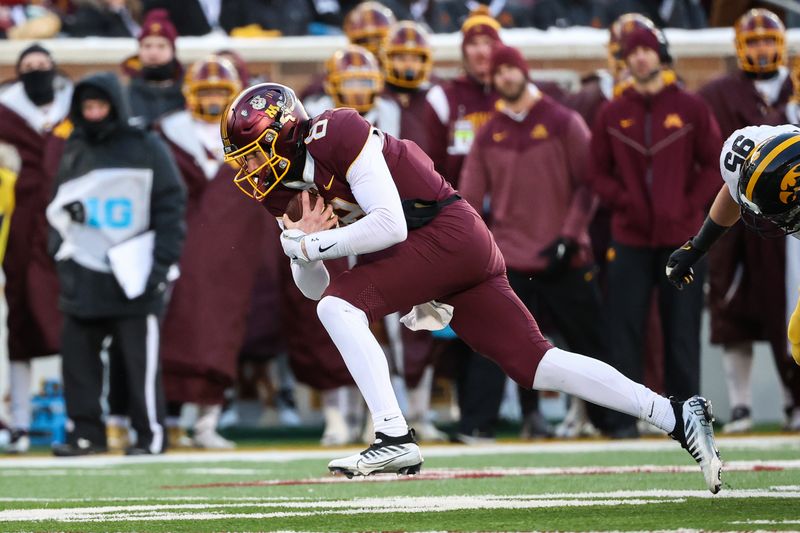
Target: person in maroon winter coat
(463, 105)
(539, 217)
(654, 159)
(33, 113)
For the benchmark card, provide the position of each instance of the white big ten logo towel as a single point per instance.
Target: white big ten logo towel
(114, 205)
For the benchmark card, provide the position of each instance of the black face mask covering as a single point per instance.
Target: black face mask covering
(159, 72)
(97, 131)
(38, 85)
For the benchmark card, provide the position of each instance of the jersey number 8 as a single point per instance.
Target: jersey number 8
(317, 132)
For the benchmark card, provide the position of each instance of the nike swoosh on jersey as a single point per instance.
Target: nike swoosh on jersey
(329, 185)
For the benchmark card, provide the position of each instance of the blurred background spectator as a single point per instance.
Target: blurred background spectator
(155, 75)
(28, 20)
(104, 18)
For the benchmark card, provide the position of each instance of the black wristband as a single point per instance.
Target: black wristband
(708, 235)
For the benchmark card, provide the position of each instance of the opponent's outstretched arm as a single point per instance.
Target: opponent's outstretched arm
(723, 214)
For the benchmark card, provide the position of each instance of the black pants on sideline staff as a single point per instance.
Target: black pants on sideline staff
(567, 305)
(479, 383)
(136, 339)
(569, 308)
(632, 274)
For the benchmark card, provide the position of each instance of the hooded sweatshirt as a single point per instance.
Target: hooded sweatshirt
(114, 183)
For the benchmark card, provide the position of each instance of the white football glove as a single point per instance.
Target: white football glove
(292, 243)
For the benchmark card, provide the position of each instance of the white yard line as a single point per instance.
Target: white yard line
(324, 507)
(567, 447)
(266, 508)
(358, 506)
(34, 471)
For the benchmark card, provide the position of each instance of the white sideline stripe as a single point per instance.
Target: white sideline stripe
(767, 522)
(356, 506)
(158, 498)
(77, 472)
(565, 447)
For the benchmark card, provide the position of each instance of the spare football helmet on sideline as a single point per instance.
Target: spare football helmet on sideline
(406, 39)
(262, 131)
(755, 25)
(213, 74)
(625, 24)
(368, 25)
(769, 182)
(353, 78)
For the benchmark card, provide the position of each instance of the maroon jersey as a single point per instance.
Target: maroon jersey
(34, 321)
(745, 269)
(453, 258)
(199, 361)
(335, 140)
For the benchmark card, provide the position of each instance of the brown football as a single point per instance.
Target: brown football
(294, 209)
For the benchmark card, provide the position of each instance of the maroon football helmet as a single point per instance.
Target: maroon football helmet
(262, 131)
(406, 41)
(368, 25)
(755, 25)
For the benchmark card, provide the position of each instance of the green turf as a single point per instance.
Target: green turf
(346, 506)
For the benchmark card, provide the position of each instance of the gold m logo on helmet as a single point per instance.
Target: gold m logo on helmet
(789, 186)
(272, 111)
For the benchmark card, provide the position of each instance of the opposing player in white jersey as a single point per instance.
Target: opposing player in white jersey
(761, 167)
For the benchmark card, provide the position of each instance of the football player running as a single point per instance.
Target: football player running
(421, 247)
(761, 167)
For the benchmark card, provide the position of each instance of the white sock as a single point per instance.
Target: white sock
(737, 360)
(348, 328)
(602, 384)
(20, 393)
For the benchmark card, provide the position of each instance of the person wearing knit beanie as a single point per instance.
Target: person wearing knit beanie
(641, 49)
(510, 56)
(641, 37)
(510, 79)
(157, 47)
(479, 34)
(158, 23)
(155, 75)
